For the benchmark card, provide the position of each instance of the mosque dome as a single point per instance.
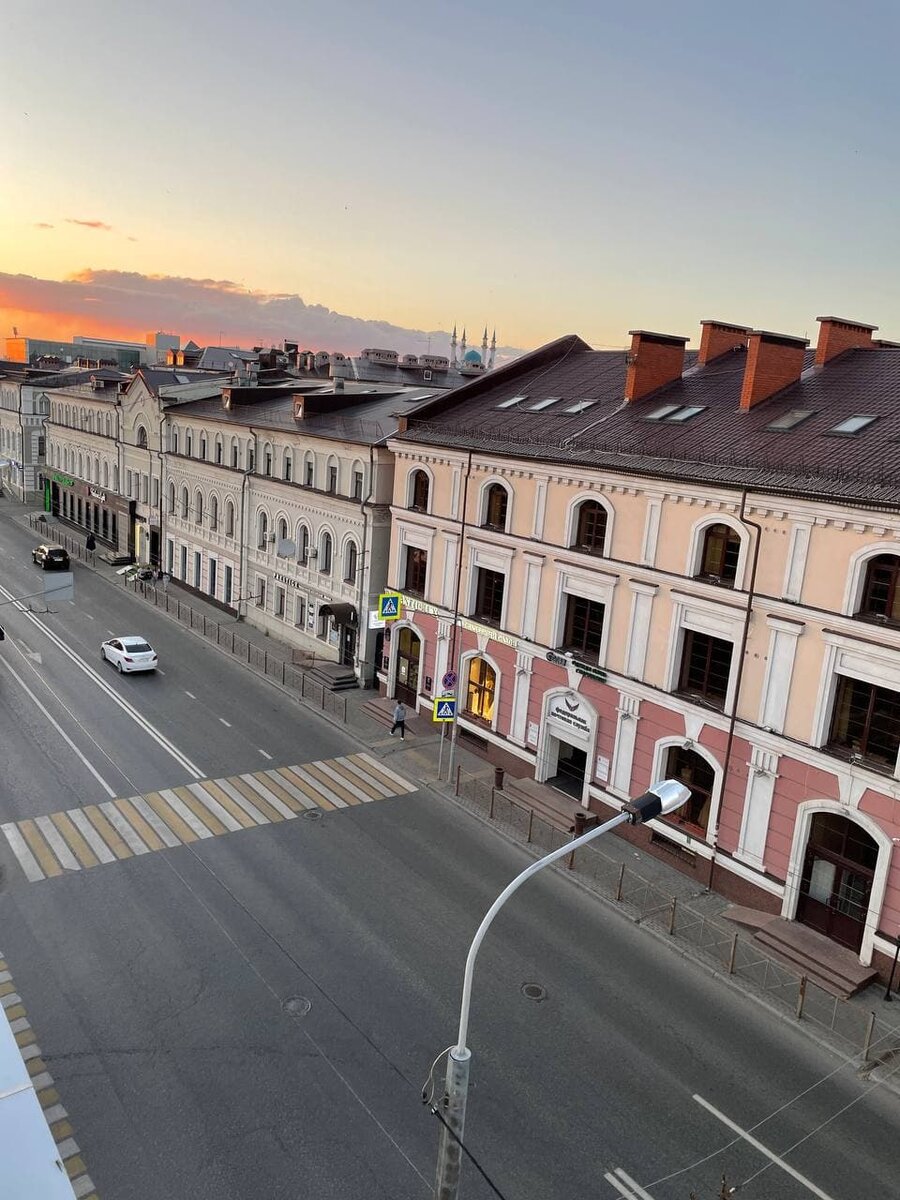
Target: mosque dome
(472, 356)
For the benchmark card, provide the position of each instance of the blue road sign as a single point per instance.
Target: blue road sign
(449, 679)
(389, 606)
(444, 708)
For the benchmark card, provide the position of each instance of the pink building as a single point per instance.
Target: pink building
(668, 563)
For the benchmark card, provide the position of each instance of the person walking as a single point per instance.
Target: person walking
(399, 720)
(90, 545)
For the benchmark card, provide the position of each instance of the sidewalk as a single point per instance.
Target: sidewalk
(669, 903)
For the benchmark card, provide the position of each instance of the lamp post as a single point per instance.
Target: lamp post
(660, 799)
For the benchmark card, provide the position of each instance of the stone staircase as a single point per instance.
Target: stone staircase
(835, 969)
(333, 677)
(552, 806)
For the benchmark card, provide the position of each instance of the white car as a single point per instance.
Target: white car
(130, 654)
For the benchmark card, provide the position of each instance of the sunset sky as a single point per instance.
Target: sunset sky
(250, 170)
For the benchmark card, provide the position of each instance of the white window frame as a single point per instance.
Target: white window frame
(698, 537)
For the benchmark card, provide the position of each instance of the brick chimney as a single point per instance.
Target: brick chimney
(774, 362)
(718, 337)
(655, 359)
(837, 335)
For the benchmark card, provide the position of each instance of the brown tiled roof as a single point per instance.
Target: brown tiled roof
(719, 445)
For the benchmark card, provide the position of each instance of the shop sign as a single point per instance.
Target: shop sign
(590, 671)
(294, 583)
(414, 604)
(96, 494)
(602, 771)
(65, 480)
(566, 710)
(558, 660)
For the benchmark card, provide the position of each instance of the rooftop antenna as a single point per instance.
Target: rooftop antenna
(15, 331)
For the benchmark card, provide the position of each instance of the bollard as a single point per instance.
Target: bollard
(672, 916)
(499, 773)
(491, 809)
(732, 959)
(801, 996)
(621, 881)
(870, 1029)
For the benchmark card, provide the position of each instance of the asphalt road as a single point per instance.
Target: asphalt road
(254, 1014)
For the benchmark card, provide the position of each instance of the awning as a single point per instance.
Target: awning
(343, 613)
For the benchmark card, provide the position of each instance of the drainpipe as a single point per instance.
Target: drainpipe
(732, 720)
(364, 572)
(121, 470)
(454, 664)
(163, 501)
(243, 594)
(22, 442)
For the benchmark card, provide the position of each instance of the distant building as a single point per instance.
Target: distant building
(83, 351)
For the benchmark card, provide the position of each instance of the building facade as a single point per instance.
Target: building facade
(23, 409)
(655, 564)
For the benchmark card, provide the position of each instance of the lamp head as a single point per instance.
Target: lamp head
(664, 797)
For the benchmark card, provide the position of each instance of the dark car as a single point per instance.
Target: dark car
(51, 558)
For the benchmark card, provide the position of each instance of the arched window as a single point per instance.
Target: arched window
(80, 466)
(174, 441)
(880, 600)
(234, 453)
(219, 449)
(719, 555)
(141, 437)
(198, 507)
(496, 504)
(309, 469)
(97, 471)
(203, 446)
(214, 512)
(115, 478)
(325, 551)
(189, 443)
(171, 497)
(481, 685)
(418, 491)
(590, 528)
(106, 474)
(332, 479)
(696, 774)
(262, 530)
(184, 503)
(287, 467)
(302, 544)
(267, 459)
(251, 456)
(229, 519)
(282, 533)
(351, 555)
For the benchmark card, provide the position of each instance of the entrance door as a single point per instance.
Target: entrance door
(409, 651)
(348, 646)
(837, 879)
(154, 545)
(570, 768)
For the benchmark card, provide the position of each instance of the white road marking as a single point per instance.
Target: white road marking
(263, 753)
(89, 617)
(91, 836)
(57, 844)
(748, 1137)
(159, 672)
(59, 729)
(216, 809)
(320, 787)
(19, 847)
(135, 844)
(367, 777)
(227, 724)
(379, 765)
(344, 782)
(242, 802)
(626, 1186)
(187, 814)
(190, 695)
(268, 795)
(155, 821)
(300, 797)
(110, 691)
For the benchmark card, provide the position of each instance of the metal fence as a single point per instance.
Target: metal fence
(714, 940)
(290, 675)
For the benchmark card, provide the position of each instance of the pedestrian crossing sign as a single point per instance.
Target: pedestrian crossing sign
(444, 709)
(389, 606)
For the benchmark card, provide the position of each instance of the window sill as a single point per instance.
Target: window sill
(593, 551)
(702, 701)
(855, 759)
(716, 581)
(486, 620)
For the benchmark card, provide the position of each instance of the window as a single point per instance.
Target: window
(685, 413)
(229, 519)
(489, 595)
(234, 454)
(309, 471)
(219, 449)
(866, 722)
(203, 446)
(852, 425)
(332, 478)
(540, 405)
(513, 400)
(496, 502)
(696, 774)
(416, 570)
(142, 437)
(481, 686)
(261, 591)
(288, 468)
(351, 555)
(661, 413)
(251, 458)
(791, 419)
(590, 528)
(357, 486)
(267, 460)
(300, 611)
(418, 498)
(171, 497)
(302, 544)
(198, 507)
(705, 667)
(188, 443)
(279, 602)
(881, 593)
(185, 503)
(325, 550)
(719, 556)
(262, 530)
(583, 630)
(214, 512)
(282, 534)
(579, 406)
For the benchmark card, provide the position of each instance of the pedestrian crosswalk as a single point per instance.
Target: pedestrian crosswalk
(86, 837)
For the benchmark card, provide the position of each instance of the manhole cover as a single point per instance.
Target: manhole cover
(313, 814)
(534, 991)
(296, 1006)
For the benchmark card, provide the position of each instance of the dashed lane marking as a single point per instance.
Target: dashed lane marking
(129, 827)
(55, 1114)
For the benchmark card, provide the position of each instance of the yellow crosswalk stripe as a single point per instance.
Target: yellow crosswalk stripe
(49, 846)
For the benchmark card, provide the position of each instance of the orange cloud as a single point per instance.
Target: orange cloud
(42, 225)
(127, 304)
(89, 224)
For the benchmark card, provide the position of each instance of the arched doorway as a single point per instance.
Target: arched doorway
(409, 652)
(836, 884)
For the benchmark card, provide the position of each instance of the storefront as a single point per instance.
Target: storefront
(108, 516)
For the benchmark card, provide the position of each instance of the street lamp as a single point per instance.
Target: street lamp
(662, 798)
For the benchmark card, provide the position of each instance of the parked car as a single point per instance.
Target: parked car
(130, 654)
(50, 558)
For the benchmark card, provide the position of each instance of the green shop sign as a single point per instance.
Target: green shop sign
(65, 480)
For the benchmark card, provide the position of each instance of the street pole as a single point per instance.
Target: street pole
(662, 798)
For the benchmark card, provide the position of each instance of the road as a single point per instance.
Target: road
(253, 1010)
